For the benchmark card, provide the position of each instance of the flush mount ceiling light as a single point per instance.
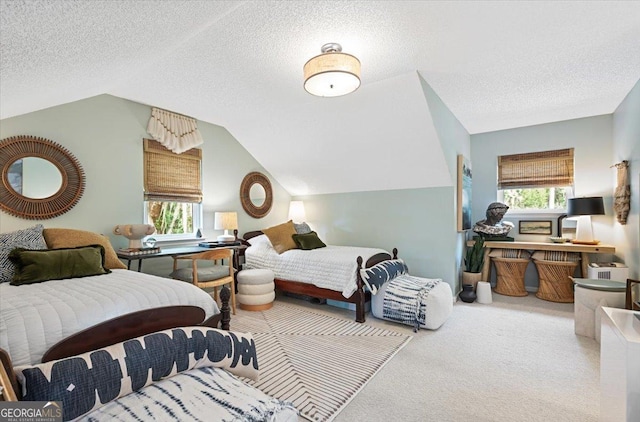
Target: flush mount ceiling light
(332, 73)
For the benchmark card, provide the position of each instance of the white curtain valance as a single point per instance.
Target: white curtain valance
(175, 132)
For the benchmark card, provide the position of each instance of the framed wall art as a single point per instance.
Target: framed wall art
(464, 193)
(542, 227)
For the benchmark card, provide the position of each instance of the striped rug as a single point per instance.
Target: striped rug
(316, 361)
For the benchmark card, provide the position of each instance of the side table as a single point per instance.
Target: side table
(590, 295)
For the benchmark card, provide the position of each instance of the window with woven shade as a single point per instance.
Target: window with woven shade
(537, 180)
(172, 190)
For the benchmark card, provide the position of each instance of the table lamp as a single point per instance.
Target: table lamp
(584, 208)
(226, 221)
(296, 212)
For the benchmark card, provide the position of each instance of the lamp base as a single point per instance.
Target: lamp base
(226, 238)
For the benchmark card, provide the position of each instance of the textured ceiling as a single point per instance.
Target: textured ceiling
(496, 65)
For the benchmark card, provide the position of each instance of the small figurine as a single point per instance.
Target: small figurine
(493, 226)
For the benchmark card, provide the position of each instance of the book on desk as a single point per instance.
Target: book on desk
(139, 251)
(216, 244)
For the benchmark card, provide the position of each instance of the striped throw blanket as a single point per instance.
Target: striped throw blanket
(405, 299)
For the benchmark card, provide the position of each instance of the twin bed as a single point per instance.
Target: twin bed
(331, 272)
(81, 341)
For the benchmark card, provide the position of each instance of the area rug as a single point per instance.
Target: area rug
(317, 362)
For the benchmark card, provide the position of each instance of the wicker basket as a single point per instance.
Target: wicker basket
(510, 276)
(555, 282)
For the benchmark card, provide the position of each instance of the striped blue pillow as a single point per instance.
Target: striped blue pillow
(376, 276)
(88, 381)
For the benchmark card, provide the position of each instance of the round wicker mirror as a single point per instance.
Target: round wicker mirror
(256, 207)
(13, 197)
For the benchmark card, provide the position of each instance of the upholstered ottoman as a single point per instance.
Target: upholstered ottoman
(439, 305)
(256, 289)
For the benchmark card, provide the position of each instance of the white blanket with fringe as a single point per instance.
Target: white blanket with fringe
(405, 299)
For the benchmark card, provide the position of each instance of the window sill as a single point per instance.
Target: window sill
(534, 213)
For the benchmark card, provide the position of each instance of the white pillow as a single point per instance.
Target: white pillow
(260, 240)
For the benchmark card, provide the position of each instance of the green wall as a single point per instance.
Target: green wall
(105, 134)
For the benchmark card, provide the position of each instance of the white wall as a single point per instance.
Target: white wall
(105, 134)
(592, 140)
(626, 146)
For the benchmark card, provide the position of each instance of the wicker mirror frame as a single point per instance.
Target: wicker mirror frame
(245, 188)
(71, 189)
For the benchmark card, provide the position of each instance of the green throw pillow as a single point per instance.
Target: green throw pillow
(308, 241)
(36, 266)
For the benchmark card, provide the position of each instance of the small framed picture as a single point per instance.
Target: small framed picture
(542, 227)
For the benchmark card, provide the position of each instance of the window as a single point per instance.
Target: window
(536, 181)
(172, 191)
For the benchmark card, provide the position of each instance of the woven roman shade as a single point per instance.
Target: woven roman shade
(544, 169)
(171, 177)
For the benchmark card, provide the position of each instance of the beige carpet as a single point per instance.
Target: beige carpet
(517, 359)
(316, 361)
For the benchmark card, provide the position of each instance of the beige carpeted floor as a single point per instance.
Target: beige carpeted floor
(517, 359)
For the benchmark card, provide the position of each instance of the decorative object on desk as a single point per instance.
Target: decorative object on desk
(296, 211)
(464, 193)
(226, 221)
(256, 194)
(134, 232)
(622, 194)
(559, 239)
(584, 208)
(467, 294)
(473, 262)
(493, 226)
(150, 242)
(535, 227)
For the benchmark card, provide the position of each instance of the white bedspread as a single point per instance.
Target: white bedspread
(34, 317)
(333, 267)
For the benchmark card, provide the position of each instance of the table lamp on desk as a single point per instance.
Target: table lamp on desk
(226, 221)
(584, 208)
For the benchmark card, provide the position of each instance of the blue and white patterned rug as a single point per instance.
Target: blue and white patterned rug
(316, 361)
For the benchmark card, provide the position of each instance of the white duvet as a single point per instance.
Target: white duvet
(333, 267)
(34, 317)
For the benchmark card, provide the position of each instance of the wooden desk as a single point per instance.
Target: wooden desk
(584, 250)
(180, 250)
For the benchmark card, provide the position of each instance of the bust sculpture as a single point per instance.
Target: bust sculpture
(493, 226)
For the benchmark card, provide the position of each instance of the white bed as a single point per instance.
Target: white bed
(332, 267)
(34, 317)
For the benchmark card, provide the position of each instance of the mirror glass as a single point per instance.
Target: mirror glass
(34, 178)
(257, 194)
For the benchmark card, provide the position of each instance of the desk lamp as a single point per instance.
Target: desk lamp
(226, 221)
(584, 208)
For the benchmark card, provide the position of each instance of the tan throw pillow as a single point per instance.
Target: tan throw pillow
(281, 236)
(71, 238)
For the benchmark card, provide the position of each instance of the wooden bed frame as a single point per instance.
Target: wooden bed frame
(119, 329)
(359, 297)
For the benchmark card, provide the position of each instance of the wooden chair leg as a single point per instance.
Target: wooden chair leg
(215, 293)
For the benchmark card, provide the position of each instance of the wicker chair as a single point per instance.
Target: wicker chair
(555, 270)
(511, 265)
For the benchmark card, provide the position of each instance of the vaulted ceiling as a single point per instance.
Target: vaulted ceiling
(238, 64)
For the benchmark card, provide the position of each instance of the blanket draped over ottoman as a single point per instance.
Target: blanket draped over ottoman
(405, 299)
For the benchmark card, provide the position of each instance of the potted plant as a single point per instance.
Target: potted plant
(473, 262)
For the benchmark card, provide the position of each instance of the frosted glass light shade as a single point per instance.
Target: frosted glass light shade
(226, 221)
(332, 73)
(296, 211)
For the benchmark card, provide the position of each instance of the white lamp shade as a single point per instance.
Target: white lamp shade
(226, 220)
(296, 211)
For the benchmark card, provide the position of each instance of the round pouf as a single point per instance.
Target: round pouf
(256, 289)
